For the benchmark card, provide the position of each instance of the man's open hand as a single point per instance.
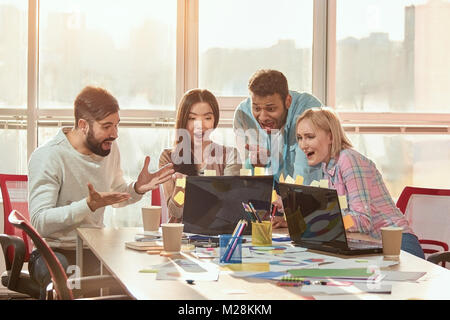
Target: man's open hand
(147, 181)
(98, 200)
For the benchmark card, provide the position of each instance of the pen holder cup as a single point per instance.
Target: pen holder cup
(230, 249)
(262, 233)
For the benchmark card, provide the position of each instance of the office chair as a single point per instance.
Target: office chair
(60, 288)
(439, 257)
(427, 211)
(16, 245)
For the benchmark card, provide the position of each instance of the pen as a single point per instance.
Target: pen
(254, 211)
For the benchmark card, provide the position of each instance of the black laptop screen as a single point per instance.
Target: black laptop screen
(313, 214)
(213, 205)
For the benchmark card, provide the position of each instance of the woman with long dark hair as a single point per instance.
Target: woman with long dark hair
(193, 151)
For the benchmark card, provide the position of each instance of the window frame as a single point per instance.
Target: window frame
(187, 61)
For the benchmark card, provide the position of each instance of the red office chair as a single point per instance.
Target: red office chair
(16, 244)
(61, 286)
(427, 211)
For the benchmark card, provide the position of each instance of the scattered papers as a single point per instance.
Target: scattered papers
(210, 173)
(352, 274)
(355, 288)
(262, 266)
(186, 269)
(245, 172)
(281, 178)
(144, 245)
(402, 275)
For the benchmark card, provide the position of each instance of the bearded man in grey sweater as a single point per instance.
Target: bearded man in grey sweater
(74, 176)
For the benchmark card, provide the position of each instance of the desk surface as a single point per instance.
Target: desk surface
(109, 246)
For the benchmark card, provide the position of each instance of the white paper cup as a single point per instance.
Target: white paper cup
(172, 233)
(151, 217)
(392, 242)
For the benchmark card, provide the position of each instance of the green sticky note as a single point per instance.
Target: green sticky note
(325, 273)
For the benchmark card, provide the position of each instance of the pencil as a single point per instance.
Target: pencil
(254, 211)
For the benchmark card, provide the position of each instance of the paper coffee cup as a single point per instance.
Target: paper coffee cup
(392, 242)
(151, 217)
(172, 233)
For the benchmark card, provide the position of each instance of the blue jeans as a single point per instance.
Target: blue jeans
(411, 244)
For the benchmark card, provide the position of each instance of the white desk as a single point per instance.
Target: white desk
(124, 264)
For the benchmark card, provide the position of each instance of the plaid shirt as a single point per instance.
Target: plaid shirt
(369, 202)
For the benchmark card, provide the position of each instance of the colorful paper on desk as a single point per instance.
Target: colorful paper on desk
(260, 171)
(179, 198)
(262, 266)
(354, 273)
(355, 288)
(245, 172)
(185, 269)
(181, 182)
(281, 179)
(299, 180)
(401, 275)
(210, 173)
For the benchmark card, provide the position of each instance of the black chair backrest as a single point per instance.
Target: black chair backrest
(58, 275)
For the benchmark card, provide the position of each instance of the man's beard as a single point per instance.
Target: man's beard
(95, 146)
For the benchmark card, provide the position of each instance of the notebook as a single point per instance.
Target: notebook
(314, 219)
(213, 204)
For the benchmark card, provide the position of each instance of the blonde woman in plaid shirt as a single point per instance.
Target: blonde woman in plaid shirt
(323, 140)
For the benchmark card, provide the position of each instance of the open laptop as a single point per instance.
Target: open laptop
(213, 204)
(315, 221)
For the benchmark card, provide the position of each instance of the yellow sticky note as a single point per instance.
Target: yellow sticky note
(299, 180)
(289, 180)
(260, 171)
(343, 202)
(315, 183)
(179, 198)
(181, 182)
(323, 183)
(348, 221)
(245, 172)
(274, 196)
(210, 173)
(260, 266)
(281, 178)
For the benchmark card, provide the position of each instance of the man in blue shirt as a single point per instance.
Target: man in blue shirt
(264, 125)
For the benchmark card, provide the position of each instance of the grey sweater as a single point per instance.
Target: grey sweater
(58, 176)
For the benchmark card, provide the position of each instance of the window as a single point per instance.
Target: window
(238, 37)
(13, 53)
(392, 56)
(127, 47)
(407, 160)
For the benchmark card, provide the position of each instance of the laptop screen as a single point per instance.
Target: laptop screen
(213, 205)
(313, 214)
